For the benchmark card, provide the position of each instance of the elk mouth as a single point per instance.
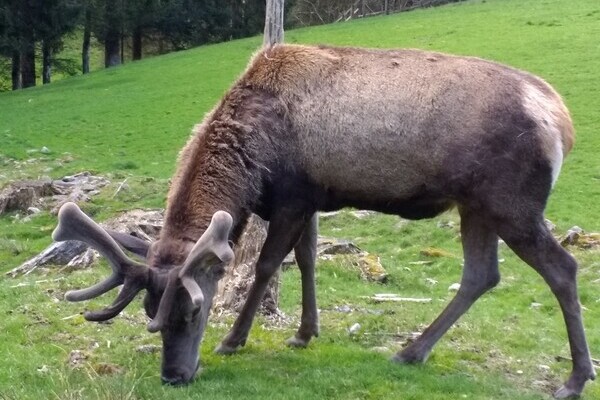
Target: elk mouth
(180, 378)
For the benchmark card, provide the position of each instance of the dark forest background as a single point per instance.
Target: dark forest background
(33, 32)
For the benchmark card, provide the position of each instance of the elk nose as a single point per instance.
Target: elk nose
(173, 381)
(178, 376)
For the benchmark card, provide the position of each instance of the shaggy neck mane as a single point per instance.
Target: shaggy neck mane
(218, 169)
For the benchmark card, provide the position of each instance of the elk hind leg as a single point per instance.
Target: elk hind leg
(534, 244)
(480, 274)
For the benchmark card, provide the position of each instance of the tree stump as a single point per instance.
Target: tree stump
(233, 288)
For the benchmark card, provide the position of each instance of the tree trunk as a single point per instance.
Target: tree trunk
(273, 23)
(137, 44)
(122, 49)
(28, 65)
(112, 34)
(234, 287)
(85, 48)
(112, 49)
(46, 63)
(16, 70)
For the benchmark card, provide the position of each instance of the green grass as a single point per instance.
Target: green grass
(130, 122)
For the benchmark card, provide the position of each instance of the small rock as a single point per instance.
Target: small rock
(77, 358)
(544, 367)
(327, 215)
(43, 369)
(519, 372)
(551, 227)
(33, 210)
(148, 348)
(535, 305)
(343, 309)
(45, 150)
(572, 236)
(353, 330)
(371, 268)
(431, 281)
(454, 287)
(360, 214)
(336, 246)
(446, 224)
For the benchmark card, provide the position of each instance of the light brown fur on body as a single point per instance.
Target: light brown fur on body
(401, 111)
(364, 121)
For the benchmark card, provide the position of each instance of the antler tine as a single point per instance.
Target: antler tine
(96, 290)
(126, 295)
(212, 248)
(73, 224)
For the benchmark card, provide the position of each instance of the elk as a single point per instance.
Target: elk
(307, 129)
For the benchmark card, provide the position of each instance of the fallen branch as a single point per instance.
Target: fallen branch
(22, 284)
(71, 317)
(119, 188)
(383, 297)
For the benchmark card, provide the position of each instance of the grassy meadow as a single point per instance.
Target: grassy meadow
(128, 123)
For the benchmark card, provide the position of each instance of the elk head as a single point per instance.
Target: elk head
(178, 297)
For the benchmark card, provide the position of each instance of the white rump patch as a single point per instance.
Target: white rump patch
(546, 111)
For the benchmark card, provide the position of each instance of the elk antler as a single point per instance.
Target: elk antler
(212, 248)
(73, 224)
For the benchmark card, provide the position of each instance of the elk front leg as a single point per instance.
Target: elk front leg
(480, 247)
(285, 228)
(306, 253)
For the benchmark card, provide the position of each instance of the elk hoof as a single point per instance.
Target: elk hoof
(297, 342)
(225, 349)
(565, 393)
(410, 357)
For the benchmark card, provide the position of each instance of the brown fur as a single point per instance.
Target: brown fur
(340, 105)
(290, 70)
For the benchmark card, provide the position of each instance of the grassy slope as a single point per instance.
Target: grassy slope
(130, 123)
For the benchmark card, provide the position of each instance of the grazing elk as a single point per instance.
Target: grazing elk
(304, 129)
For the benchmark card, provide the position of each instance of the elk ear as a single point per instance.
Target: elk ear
(211, 249)
(129, 242)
